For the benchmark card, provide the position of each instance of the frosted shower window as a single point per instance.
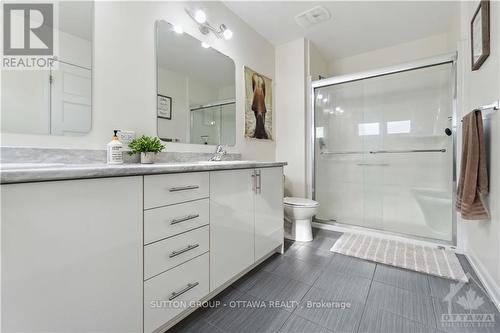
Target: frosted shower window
(364, 174)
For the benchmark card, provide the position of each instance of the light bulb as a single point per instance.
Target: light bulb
(178, 29)
(200, 16)
(205, 45)
(320, 96)
(228, 34)
(325, 100)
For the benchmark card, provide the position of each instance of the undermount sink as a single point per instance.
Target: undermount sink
(16, 166)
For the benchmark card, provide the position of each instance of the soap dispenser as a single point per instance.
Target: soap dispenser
(115, 150)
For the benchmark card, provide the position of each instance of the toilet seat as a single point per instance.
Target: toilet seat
(300, 202)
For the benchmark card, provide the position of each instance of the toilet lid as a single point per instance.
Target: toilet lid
(300, 202)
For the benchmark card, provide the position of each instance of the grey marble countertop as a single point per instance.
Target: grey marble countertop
(35, 172)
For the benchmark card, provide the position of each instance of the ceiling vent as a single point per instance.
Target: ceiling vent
(312, 16)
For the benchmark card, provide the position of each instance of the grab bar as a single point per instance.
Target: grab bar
(385, 151)
(408, 151)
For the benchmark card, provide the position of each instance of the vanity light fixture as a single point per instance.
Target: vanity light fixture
(226, 33)
(205, 27)
(200, 16)
(178, 29)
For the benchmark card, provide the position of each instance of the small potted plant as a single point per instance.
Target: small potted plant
(148, 146)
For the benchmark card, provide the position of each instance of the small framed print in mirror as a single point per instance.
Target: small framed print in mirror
(480, 34)
(164, 107)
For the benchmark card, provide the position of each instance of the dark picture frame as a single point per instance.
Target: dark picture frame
(480, 35)
(164, 107)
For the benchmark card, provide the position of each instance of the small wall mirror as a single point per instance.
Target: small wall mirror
(56, 101)
(195, 90)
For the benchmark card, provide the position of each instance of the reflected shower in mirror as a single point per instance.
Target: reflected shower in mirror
(55, 101)
(195, 90)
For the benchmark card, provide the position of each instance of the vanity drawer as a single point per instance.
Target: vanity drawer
(162, 190)
(170, 252)
(172, 220)
(169, 294)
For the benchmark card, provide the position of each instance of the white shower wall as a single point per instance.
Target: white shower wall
(392, 192)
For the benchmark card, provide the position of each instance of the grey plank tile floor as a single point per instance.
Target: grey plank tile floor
(310, 289)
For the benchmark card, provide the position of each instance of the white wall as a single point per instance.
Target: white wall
(481, 239)
(290, 120)
(124, 93)
(394, 55)
(317, 65)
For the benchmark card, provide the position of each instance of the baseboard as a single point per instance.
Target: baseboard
(486, 279)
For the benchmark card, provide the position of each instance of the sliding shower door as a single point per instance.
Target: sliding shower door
(384, 152)
(213, 124)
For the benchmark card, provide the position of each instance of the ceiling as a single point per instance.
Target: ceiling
(355, 27)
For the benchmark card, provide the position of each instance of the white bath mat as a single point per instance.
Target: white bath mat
(425, 259)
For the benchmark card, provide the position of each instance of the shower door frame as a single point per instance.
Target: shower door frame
(450, 58)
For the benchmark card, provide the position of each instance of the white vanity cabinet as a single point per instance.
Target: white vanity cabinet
(176, 245)
(231, 224)
(72, 256)
(131, 253)
(268, 210)
(246, 220)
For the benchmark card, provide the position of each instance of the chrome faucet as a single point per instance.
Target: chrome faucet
(219, 152)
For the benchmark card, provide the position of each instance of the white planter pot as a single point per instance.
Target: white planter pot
(148, 158)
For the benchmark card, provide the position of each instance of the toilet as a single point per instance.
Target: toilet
(298, 218)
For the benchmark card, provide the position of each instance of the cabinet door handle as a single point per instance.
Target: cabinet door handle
(258, 188)
(176, 294)
(187, 248)
(185, 218)
(183, 188)
(254, 182)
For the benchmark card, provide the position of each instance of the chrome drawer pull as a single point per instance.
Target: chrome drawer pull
(186, 218)
(187, 248)
(183, 188)
(176, 294)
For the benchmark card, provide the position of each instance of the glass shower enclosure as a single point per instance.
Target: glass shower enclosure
(384, 150)
(213, 124)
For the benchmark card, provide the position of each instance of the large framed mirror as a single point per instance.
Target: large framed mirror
(195, 90)
(55, 101)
